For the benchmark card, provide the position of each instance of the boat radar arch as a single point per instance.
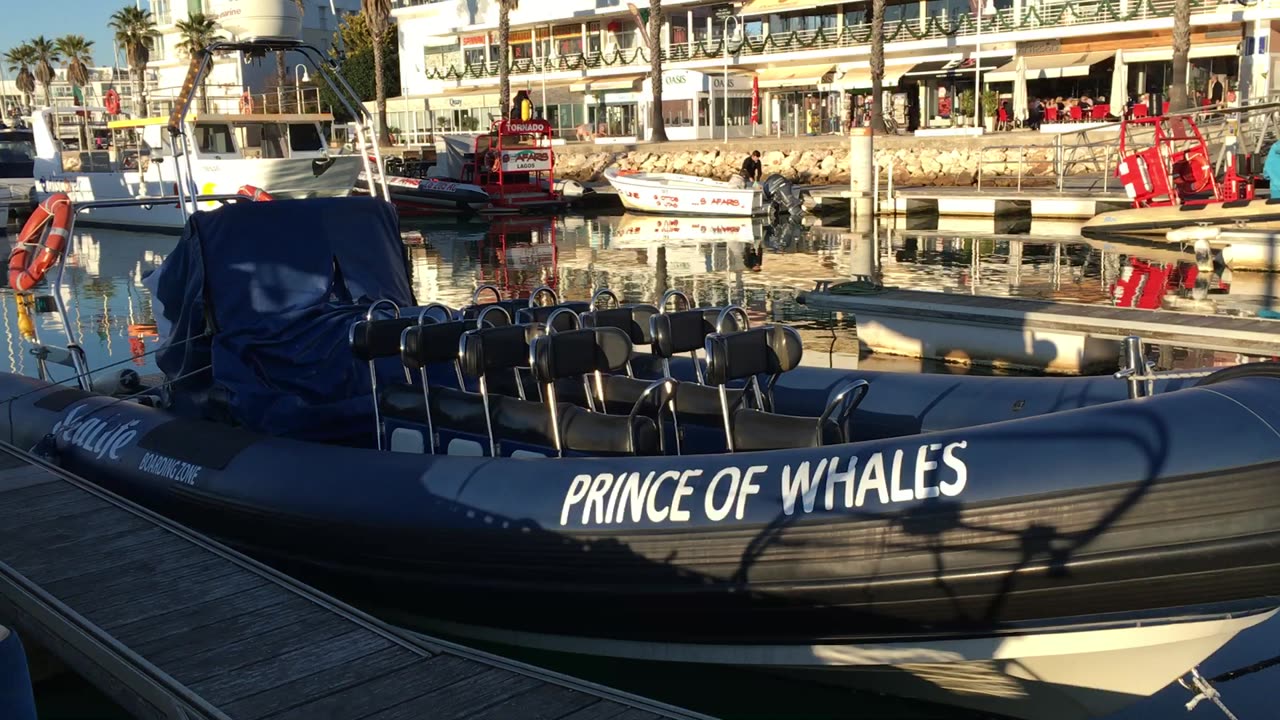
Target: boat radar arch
(259, 20)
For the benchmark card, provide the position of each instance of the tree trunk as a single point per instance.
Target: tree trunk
(282, 74)
(1181, 51)
(877, 65)
(384, 134)
(657, 123)
(504, 60)
(139, 94)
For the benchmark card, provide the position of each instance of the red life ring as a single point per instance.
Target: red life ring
(246, 103)
(254, 193)
(56, 207)
(112, 102)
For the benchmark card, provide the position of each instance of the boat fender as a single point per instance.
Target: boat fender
(111, 100)
(255, 194)
(246, 103)
(125, 382)
(1193, 233)
(55, 208)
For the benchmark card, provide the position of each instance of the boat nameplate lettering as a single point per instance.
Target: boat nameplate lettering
(171, 468)
(99, 436)
(882, 479)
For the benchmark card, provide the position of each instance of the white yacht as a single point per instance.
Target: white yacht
(284, 154)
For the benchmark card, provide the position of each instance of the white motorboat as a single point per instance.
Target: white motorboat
(283, 154)
(672, 193)
(17, 160)
(635, 229)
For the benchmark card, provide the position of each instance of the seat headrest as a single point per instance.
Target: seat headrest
(373, 339)
(471, 312)
(765, 350)
(540, 313)
(630, 319)
(680, 332)
(579, 352)
(422, 345)
(496, 348)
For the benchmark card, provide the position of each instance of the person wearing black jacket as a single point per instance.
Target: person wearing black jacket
(752, 170)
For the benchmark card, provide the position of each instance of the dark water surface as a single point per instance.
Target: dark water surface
(717, 261)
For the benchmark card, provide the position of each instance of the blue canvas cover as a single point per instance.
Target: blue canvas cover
(277, 285)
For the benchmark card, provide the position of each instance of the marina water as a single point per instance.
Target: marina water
(759, 265)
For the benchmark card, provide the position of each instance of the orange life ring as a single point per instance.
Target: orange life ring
(246, 103)
(56, 207)
(254, 193)
(112, 102)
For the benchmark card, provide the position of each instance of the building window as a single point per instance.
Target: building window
(568, 40)
(440, 57)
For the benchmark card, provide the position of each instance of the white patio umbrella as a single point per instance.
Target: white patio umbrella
(1020, 111)
(1119, 85)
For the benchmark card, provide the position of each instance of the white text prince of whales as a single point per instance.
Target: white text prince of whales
(884, 478)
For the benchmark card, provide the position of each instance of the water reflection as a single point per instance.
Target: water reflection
(758, 264)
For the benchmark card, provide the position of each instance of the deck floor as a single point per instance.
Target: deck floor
(160, 618)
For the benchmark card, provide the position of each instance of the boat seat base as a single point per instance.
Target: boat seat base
(756, 430)
(520, 421)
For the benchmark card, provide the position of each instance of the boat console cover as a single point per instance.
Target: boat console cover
(277, 286)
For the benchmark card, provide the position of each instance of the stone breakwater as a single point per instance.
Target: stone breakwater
(910, 165)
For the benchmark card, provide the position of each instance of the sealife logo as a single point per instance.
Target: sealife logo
(97, 436)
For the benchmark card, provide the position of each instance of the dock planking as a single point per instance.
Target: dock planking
(1210, 332)
(170, 624)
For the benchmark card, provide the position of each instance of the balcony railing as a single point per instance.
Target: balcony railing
(1035, 14)
(395, 4)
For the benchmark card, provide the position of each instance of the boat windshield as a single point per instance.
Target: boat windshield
(17, 155)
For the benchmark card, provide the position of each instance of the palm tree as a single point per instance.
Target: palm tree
(504, 55)
(134, 30)
(20, 60)
(45, 54)
(77, 53)
(198, 31)
(877, 65)
(1181, 52)
(657, 124)
(376, 15)
(282, 69)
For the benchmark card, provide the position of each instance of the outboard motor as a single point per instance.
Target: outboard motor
(784, 196)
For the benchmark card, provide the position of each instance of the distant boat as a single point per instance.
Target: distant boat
(17, 169)
(674, 194)
(431, 196)
(282, 153)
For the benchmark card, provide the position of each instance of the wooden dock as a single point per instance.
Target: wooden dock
(170, 624)
(1041, 334)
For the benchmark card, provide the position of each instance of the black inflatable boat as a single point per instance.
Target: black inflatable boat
(564, 477)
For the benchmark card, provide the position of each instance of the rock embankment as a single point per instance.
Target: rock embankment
(910, 165)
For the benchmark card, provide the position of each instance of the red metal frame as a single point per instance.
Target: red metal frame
(1176, 166)
(499, 155)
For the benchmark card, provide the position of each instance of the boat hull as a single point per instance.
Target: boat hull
(671, 194)
(290, 178)
(1159, 220)
(412, 196)
(1118, 514)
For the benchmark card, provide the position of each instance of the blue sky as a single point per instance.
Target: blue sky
(25, 19)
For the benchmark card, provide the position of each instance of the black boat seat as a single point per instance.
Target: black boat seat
(686, 331)
(540, 314)
(423, 345)
(697, 404)
(772, 350)
(374, 339)
(581, 431)
(471, 312)
(581, 354)
(634, 320)
(450, 407)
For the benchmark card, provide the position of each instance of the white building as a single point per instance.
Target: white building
(232, 75)
(809, 58)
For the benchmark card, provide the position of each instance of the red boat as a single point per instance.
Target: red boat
(514, 163)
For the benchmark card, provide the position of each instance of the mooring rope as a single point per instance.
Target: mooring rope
(1204, 689)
